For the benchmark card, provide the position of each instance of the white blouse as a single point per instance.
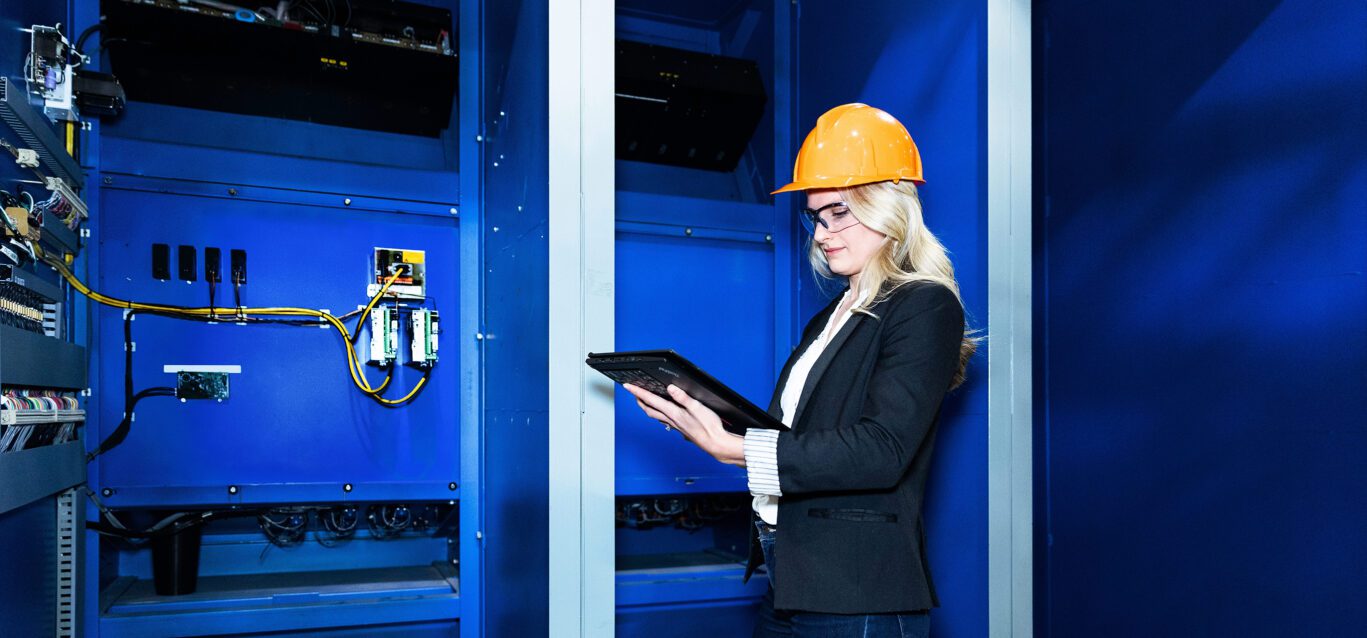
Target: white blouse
(761, 445)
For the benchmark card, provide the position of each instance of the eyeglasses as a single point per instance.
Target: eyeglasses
(834, 217)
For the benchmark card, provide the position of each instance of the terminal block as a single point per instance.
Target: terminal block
(384, 336)
(424, 327)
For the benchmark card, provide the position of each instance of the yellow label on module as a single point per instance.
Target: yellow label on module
(414, 256)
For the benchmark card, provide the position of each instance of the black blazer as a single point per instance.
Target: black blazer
(853, 468)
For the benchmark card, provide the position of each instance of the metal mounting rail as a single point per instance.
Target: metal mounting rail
(34, 129)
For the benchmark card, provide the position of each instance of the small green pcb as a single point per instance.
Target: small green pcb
(202, 385)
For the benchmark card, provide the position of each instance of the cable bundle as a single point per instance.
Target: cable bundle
(51, 400)
(284, 527)
(388, 521)
(58, 206)
(24, 436)
(272, 314)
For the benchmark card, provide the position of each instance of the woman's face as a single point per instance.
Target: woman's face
(850, 249)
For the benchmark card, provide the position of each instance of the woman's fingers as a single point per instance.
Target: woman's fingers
(660, 409)
(660, 404)
(703, 414)
(653, 413)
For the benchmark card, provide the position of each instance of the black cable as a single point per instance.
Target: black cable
(85, 35)
(181, 525)
(130, 399)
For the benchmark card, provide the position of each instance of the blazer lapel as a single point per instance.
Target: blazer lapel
(824, 361)
(814, 328)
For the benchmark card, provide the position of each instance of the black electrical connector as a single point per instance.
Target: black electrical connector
(186, 263)
(161, 262)
(213, 265)
(238, 259)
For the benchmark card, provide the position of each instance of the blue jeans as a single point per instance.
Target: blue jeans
(773, 623)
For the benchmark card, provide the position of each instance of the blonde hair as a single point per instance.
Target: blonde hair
(911, 252)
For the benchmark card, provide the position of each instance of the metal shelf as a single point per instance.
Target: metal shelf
(283, 602)
(38, 361)
(57, 235)
(671, 579)
(29, 475)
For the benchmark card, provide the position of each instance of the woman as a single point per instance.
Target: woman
(838, 495)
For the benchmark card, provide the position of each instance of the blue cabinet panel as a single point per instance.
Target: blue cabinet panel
(711, 301)
(295, 428)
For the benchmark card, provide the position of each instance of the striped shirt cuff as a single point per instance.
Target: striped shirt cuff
(761, 461)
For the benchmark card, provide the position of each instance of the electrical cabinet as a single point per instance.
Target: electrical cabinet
(256, 487)
(253, 485)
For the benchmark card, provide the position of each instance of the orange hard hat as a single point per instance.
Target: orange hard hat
(855, 144)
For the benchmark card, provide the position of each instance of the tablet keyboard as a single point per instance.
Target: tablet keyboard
(637, 378)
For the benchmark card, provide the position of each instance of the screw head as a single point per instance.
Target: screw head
(107, 492)
(769, 238)
(688, 231)
(346, 487)
(451, 486)
(346, 202)
(232, 489)
(108, 180)
(232, 191)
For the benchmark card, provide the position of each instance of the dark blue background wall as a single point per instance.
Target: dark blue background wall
(1202, 318)
(925, 63)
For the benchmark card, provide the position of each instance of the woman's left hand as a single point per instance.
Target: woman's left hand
(695, 421)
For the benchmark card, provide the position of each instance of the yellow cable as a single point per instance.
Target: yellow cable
(411, 393)
(355, 368)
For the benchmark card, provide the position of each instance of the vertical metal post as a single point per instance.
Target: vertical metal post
(470, 321)
(70, 528)
(1009, 474)
(581, 260)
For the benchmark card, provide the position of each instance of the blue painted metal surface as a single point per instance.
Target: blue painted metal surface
(293, 420)
(1202, 352)
(28, 587)
(925, 63)
(515, 282)
(730, 334)
(719, 619)
(245, 551)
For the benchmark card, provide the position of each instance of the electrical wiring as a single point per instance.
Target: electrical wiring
(130, 398)
(338, 523)
(355, 368)
(284, 527)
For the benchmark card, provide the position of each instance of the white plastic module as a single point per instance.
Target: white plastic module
(384, 336)
(424, 326)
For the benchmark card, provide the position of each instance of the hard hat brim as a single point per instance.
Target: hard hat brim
(846, 182)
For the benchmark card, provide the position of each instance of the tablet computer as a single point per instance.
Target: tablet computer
(655, 370)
